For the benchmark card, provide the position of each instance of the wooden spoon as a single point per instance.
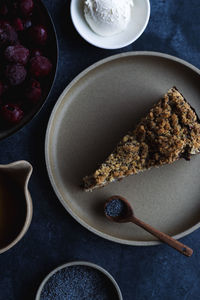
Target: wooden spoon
(122, 212)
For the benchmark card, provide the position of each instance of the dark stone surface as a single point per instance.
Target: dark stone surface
(54, 237)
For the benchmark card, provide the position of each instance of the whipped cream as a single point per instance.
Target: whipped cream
(108, 17)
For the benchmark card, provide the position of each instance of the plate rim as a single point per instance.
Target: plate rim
(47, 138)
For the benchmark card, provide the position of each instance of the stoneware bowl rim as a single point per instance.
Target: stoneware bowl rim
(29, 205)
(80, 263)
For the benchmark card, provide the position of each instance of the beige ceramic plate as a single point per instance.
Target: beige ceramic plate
(92, 114)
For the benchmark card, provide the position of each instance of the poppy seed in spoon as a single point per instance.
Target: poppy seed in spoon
(115, 208)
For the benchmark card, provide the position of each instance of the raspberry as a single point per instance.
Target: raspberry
(40, 66)
(15, 74)
(12, 113)
(33, 92)
(17, 54)
(38, 35)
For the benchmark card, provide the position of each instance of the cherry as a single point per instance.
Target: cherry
(38, 35)
(3, 22)
(27, 23)
(18, 24)
(17, 54)
(33, 92)
(15, 74)
(3, 9)
(12, 113)
(36, 52)
(26, 7)
(40, 66)
(7, 34)
(1, 88)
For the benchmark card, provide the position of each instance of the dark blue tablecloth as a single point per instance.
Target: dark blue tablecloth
(54, 237)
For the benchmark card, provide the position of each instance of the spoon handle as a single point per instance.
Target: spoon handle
(164, 237)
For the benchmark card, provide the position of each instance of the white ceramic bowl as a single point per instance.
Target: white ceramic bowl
(136, 26)
(80, 263)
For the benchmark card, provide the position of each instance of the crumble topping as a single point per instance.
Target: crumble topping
(170, 131)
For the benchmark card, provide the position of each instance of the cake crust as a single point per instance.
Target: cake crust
(170, 131)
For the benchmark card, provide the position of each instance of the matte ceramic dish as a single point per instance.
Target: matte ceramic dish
(53, 55)
(98, 107)
(19, 173)
(139, 20)
(81, 263)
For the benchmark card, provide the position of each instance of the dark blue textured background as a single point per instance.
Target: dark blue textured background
(54, 237)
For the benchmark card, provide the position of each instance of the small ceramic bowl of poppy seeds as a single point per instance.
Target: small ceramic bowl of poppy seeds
(79, 281)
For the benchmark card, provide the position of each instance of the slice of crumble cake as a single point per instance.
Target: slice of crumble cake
(170, 131)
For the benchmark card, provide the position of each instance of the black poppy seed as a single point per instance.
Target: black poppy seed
(115, 208)
(78, 283)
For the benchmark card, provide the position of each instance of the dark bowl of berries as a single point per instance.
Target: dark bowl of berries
(28, 61)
